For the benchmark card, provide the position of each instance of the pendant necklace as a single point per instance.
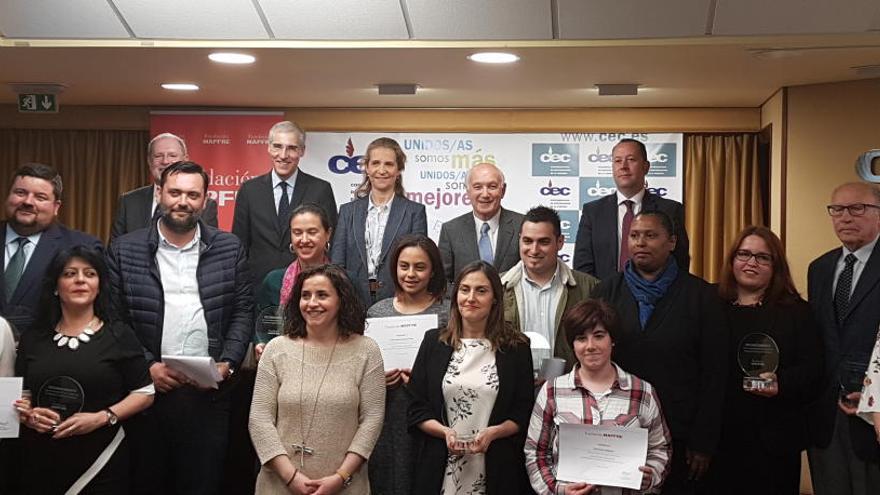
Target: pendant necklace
(73, 342)
(302, 448)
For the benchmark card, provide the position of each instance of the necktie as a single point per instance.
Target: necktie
(844, 287)
(486, 244)
(15, 268)
(283, 205)
(624, 235)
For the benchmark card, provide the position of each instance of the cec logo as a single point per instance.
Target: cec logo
(551, 190)
(556, 159)
(569, 221)
(349, 163)
(663, 159)
(599, 157)
(593, 188)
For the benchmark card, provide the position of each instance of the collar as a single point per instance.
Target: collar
(291, 181)
(556, 276)
(163, 241)
(493, 222)
(11, 236)
(862, 253)
(517, 271)
(636, 198)
(374, 205)
(573, 380)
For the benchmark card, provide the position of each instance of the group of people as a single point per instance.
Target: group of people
(731, 381)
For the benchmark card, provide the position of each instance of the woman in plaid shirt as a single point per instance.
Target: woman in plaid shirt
(596, 392)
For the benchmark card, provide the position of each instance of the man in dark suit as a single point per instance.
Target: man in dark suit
(138, 207)
(844, 290)
(264, 203)
(601, 246)
(488, 232)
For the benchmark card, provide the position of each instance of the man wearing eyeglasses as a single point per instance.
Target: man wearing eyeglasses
(844, 290)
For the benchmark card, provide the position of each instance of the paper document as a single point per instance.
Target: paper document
(200, 369)
(399, 337)
(602, 455)
(10, 391)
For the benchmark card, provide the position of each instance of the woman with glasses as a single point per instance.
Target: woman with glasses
(775, 363)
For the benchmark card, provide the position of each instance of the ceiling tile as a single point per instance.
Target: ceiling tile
(193, 19)
(760, 17)
(346, 20)
(483, 20)
(60, 19)
(601, 19)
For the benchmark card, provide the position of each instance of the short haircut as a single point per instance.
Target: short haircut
(166, 135)
(467, 178)
(640, 145)
(781, 288)
(287, 126)
(870, 188)
(351, 315)
(437, 284)
(664, 219)
(366, 186)
(585, 316)
(50, 304)
(314, 209)
(42, 171)
(541, 214)
(184, 168)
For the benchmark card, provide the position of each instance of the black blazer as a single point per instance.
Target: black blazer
(596, 250)
(505, 461)
(21, 309)
(350, 248)
(458, 242)
(133, 212)
(682, 352)
(851, 341)
(256, 223)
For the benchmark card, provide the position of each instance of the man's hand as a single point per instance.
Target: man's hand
(849, 403)
(698, 464)
(223, 368)
(166, 379)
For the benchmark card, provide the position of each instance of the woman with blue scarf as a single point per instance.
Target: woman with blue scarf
(672, 334)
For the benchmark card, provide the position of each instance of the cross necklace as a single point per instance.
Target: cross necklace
(301, 448)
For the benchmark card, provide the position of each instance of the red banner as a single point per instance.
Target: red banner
(231, 146)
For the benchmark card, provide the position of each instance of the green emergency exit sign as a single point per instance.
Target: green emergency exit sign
(37, 103)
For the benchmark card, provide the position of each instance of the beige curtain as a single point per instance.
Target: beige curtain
(96, 166)
(722, 196)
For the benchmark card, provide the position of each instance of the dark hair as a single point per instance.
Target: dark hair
(499, 333)
(314, 209)
(437, 284)
(640, 145)
(781, 289)
(184, 168)
(540, 214)
(349, 320)
(664, 219)
(42, 171)
(50, 304)
(364, 189)
(585, 316)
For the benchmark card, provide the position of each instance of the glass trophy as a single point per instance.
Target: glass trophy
(757, 353)
(268, 324)
(63, 395)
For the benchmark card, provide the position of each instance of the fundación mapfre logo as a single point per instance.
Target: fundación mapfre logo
(555, 160)
(864, 166)
(349, 163)
(663, 158)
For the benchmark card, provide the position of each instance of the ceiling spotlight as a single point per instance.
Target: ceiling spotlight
(397, 89)
(232, 58)
(493, 57)
(618, 89)
(180, 86)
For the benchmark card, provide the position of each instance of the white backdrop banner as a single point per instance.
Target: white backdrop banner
(561, 170)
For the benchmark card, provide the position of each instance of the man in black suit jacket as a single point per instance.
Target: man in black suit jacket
(261, 220)
(460, 237)
(597, 250)
(844, 290)
(138, 207)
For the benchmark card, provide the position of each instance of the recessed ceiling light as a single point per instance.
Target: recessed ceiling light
(180, 86)
(232, 58)
(493, 57)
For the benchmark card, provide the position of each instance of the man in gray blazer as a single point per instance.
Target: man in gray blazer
(488, 232)
(138, 207)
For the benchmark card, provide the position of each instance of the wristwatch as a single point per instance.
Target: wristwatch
(346, 478)
(112, 418)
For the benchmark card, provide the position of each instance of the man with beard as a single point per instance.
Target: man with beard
(184, 288)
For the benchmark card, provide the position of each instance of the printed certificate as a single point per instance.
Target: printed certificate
(602, 455)
(399, 337)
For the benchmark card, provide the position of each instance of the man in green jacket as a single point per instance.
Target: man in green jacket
(539, 289)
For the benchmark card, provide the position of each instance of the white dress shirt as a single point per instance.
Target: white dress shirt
(276, 188)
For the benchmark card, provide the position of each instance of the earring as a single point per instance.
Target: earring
(55, 292)
(290, 247)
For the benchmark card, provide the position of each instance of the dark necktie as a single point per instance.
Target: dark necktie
(844, 288)
(283, 204)
(15, 268)
(624, 235)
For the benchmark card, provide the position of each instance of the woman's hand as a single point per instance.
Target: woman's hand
(80, 424)
(483, 440)
(451, 437)
(327, 485)
(41, 419)
(578, 488)
(299, 485)
(770, 389)
(392, 378)
(405, 374)
(647, 476)
(258, 351)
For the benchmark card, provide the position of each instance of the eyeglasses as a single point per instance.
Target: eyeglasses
(760, 258)
(856, 210)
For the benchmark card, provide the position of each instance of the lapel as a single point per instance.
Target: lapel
(469, 237)
(867, 280)
(506, 234)
(665, 304)
(40, 259)
(359, 227)
(505, 379)
(265, 204)
(143, 201)
(3, 266)
(296, 198)
(607, 222)
(392, 225)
